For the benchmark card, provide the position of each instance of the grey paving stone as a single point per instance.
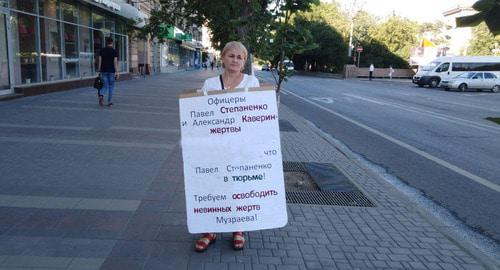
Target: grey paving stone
(448, 266)
(215, 266)
(236, 266)
(270, 260)
(379, 264)
(259, 267)
(417, 265)
(287, 267)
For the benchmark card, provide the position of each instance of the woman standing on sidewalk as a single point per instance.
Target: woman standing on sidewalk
(233, 57)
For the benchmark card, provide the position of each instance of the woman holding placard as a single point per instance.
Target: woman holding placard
(233, 57)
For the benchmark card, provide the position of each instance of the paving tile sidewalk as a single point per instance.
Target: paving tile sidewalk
(392, 235)
(134, 218)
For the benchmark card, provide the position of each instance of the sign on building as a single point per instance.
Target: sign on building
(233, 171)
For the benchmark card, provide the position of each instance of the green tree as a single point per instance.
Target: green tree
(285, 40)
(488, 12)
(483, 42)
(364, 23)
(328, 27)
(398, 34)
(242, 20)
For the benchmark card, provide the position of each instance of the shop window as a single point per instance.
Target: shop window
(4, 60)
(71, 51)
(24, 5)
(121, 48)
(49, 8)
(69, 12)
(84, 16)
(50, 45)
(121, 27)
(86, 55)
(109, 24)
(97, 45)
(26, 55)
(97, 20)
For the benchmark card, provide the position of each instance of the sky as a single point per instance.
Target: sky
(419, 10)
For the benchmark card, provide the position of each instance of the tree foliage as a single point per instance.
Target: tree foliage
(488, 12)
(483, 42)
(398, 34)
(326, 23)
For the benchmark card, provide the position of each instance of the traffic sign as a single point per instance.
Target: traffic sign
(359, 49)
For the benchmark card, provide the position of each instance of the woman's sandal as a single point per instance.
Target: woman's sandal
(238, 240)
(205, 241)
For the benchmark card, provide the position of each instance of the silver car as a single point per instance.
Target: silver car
(473, 80)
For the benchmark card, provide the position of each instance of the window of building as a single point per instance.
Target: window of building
(49, 8)
(97, 45)
(4, 60)
(26, 53)
(86, 55)
(97, 20)
(85, 16)
(120, 46)
(69, 12)
(24, 5)
(71, 50)
(50, 49)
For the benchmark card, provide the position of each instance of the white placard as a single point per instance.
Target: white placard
(233, 170)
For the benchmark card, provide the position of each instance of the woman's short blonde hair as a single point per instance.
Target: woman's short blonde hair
(235, 45)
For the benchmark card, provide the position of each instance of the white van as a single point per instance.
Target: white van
(445, 68)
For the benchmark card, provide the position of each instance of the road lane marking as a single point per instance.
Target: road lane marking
(426, 155)
(45, 127)
(463, 104)
(432, 114)
(86, 142)
(475, 95)
(95, 110)
(326, 100)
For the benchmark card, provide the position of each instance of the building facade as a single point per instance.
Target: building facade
(171, 53)
(459, 37)
(45, 42)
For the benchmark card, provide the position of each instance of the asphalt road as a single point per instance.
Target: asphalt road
(435, 141)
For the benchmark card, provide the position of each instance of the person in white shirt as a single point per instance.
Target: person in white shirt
(372, 69)
(233, 57)
(391, 71)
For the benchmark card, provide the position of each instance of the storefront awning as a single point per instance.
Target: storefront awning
(121, 8)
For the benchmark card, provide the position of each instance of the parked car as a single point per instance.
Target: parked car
(473, 80)
(446, 67)
(266, 67)
(288, 64)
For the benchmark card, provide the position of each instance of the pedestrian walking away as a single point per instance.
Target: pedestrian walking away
(372, 69)
(234, 56)
(108, 69)
(391, 71)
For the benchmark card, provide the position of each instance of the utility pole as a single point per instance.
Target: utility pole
(353, 10)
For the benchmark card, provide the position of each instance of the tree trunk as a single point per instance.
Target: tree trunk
(243, 33)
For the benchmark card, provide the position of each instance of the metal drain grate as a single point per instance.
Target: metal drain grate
(294, 166)
(329, 198)
(286, 126)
